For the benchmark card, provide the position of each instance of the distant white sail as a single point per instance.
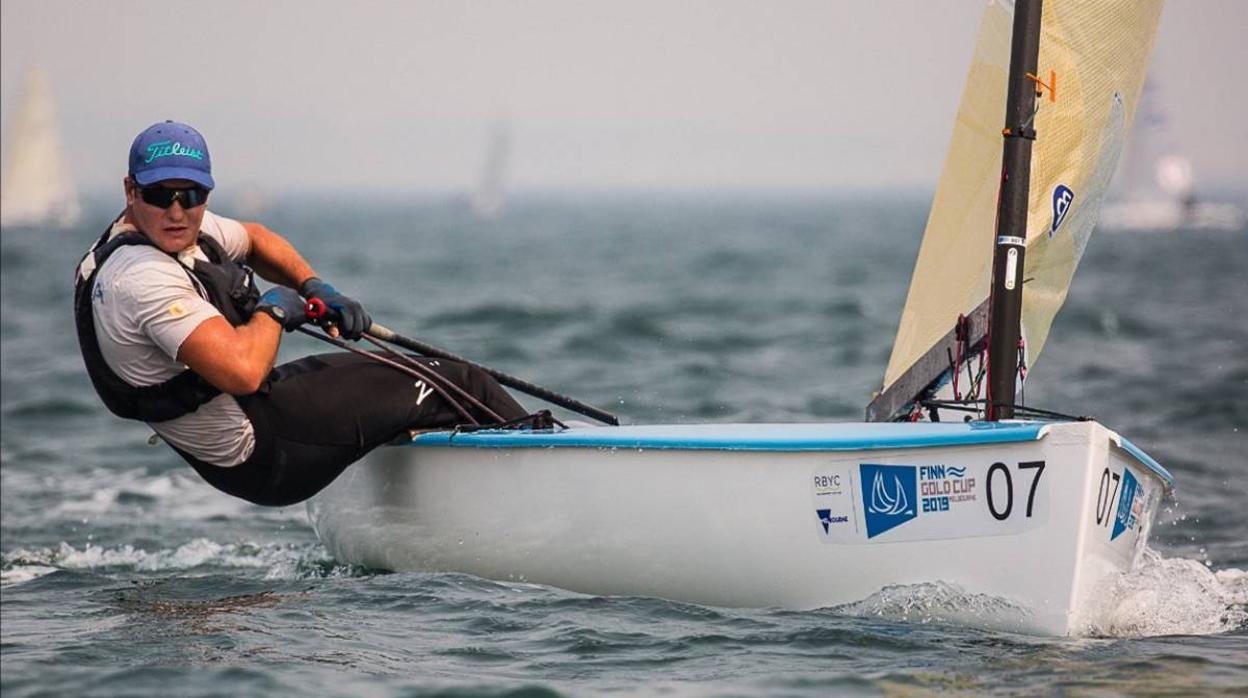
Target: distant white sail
(36, 189)
(1155, 188)
(490, 196)
(1098, 50)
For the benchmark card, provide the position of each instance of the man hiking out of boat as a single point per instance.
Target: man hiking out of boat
(175, 333)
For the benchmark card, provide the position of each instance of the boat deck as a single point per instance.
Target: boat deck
(843, 436)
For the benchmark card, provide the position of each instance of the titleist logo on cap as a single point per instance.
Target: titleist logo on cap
(164, 149)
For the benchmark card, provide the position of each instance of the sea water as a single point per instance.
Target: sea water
(124, 574)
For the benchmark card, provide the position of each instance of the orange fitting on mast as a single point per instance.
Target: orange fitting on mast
(1041, 86)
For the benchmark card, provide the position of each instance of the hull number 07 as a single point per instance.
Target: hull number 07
(1001, 505)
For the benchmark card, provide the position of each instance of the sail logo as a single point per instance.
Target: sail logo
(889, 493)
(1063, 197)
(1128, 514)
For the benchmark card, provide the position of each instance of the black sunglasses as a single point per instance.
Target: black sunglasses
(163, 197)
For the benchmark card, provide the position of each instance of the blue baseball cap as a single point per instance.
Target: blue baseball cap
(170, 150)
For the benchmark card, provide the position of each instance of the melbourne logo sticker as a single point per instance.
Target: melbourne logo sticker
(889, 496)
(831, 504)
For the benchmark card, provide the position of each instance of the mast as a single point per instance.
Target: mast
(1010, 244)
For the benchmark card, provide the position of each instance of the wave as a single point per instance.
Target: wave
(176, 495)
(505, 315)
(277, 561)
(1161, 596)
(1171, 596)
(938, 602)
(51, 407)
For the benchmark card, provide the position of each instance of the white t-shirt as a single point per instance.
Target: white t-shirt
(145, 305)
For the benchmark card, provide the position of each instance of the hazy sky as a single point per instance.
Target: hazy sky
(636, 94)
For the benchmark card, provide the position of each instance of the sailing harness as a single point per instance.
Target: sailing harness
(228, 285)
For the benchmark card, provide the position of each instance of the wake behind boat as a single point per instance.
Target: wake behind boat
(1041, 515)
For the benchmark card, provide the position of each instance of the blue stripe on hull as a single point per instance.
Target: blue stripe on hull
(1148, 461)
(852, 436)
(750, 437)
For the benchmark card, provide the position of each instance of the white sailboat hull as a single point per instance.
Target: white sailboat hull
(792, 516)
(1168, 215)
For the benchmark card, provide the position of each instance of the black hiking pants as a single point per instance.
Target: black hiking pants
(315, 416)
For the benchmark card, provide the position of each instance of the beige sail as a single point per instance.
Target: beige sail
(36, 188)
(1096, 52)
(488, 200)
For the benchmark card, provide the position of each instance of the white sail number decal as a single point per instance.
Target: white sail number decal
(1001, 506)
(1105, 496)
(861, 502)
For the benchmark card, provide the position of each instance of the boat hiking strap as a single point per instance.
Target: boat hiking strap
(978, 406)
(542, 420)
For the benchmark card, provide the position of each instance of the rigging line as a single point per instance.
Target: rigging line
(1051, 414)
(983, 371)
(542, 419)
(1031, 119)
(398, 367)
(1037, 102)
(972, 385)
(1021, 370)
(432, 376)
(960, 336)
(953, 368)
(973, 406)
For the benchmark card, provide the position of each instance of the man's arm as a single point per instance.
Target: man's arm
(274, 258)
(237, 359)
(234, 359)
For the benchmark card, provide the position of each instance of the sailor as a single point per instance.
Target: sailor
(175, 333)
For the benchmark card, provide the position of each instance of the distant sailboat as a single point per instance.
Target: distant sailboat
(488, 200)
(37, 189)
(1156, 184)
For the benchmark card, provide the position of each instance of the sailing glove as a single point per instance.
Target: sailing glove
(345, 312)
(284, 305)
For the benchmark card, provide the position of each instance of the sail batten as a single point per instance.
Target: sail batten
(1098, 50)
